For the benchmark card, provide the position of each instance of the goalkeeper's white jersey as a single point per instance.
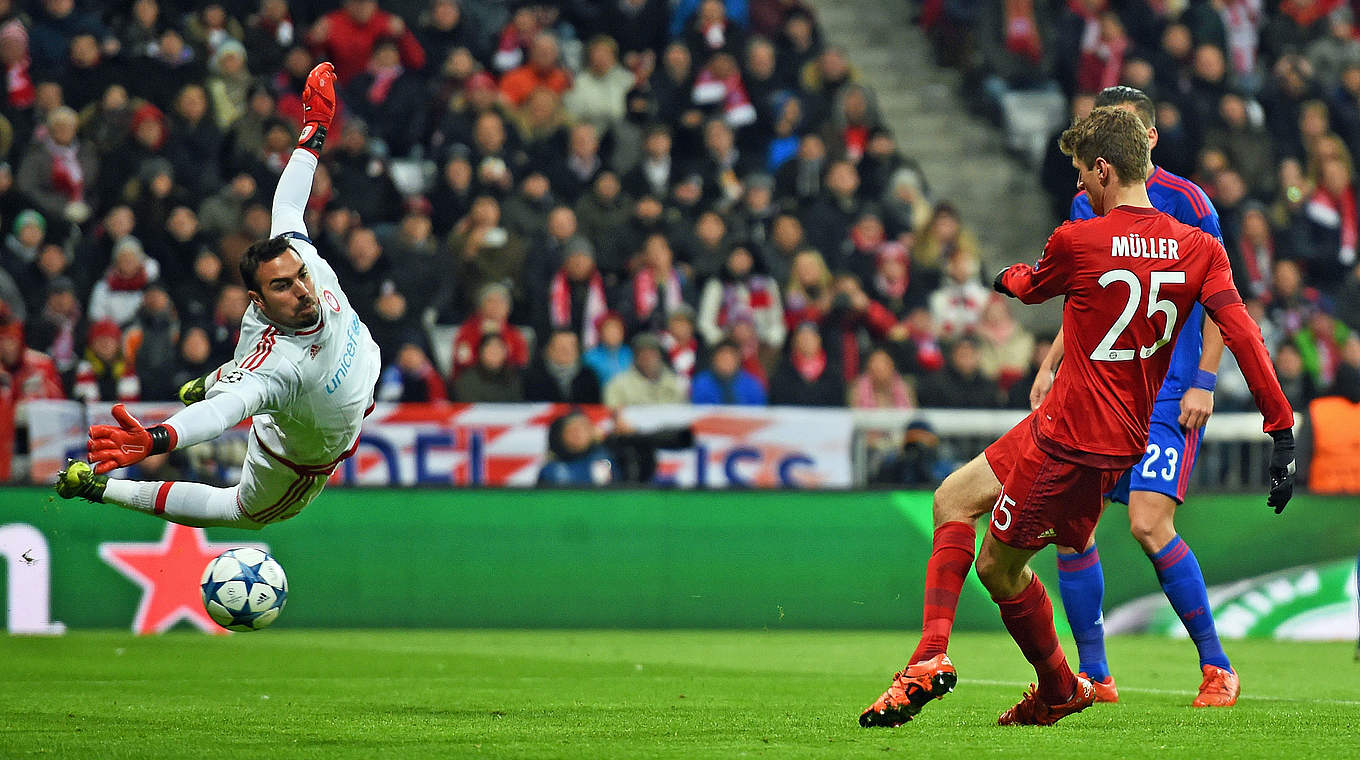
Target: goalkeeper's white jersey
(308, 389)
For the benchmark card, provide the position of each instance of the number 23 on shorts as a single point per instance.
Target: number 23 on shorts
(1149, 465)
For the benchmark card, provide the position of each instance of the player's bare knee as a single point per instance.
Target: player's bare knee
(967, 494)
(1151, 529)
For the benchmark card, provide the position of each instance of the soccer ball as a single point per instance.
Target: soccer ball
(244, 589)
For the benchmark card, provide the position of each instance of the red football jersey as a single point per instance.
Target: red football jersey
(1130, 278)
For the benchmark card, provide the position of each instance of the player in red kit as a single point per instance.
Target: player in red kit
(1130, 276)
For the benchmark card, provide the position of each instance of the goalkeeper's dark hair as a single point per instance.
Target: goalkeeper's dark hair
(1124, 95)
(257, 254)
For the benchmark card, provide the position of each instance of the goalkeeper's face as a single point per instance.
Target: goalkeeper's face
(287, 295)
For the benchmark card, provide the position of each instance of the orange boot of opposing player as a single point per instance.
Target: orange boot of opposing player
(1105, 690)
(1220, 688)
(911, 689)
(1033, 711)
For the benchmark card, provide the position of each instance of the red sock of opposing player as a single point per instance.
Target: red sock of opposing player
(1029, 618)
(950, 558)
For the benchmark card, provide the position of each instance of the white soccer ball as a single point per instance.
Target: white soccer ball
(244, 589)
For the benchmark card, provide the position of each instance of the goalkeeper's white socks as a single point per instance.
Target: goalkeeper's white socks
(193, 504)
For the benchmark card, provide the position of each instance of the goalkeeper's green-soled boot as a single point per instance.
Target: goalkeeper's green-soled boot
(78, 480)
(193, 391)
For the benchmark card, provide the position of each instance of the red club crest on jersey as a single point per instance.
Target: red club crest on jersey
(331, 301)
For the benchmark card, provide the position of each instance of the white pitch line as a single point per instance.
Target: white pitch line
(1175, 692)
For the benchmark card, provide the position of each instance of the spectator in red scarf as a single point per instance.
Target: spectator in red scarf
(856, 320)
(807, 377)
(854, 118)
(516, 39)
(576, 297)
(25, 374)
(1015, 47)
(657, 288)
(346, 38)
(919, 349)
(1253, 256)
(740, 289)
(543, 69)
(860, 251)
(881, 386)
(118, 295)
(1332, 227)
(19, 91)
(492, 316)
(104, 374)
(1103, 44)
(890, 283)
(719, 89)
(389, 97)
(57, 329)
(680, 341)
(711, 32)
(760, 360)
(58, 168)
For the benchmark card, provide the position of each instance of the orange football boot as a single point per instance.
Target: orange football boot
(1219, 688)
(1032, 711)
(911, 689)
(1105, 690)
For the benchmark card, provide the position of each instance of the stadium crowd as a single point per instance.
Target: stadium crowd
(622, 201)
(618, 202)
(1257, 102)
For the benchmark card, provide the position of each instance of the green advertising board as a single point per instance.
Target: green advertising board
(635, 559)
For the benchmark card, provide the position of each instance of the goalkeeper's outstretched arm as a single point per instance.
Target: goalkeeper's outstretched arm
(295, 184)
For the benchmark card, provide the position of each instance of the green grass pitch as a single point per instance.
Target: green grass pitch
(622, 694)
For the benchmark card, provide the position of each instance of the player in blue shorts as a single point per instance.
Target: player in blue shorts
(1155, 486)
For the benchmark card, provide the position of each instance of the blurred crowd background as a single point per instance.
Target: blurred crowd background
(630, 201)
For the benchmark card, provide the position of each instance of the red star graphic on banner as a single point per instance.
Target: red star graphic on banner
(168, 572)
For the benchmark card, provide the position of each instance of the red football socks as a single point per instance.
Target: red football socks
(950, 558)
(1029, 618)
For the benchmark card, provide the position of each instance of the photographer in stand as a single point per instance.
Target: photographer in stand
(581, 454)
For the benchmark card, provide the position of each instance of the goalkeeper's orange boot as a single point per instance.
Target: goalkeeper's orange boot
(1105, 690)
(1033, 711)
(1220, 688)
(911, 689)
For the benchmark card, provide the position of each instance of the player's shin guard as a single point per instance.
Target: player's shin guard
(1181, 579)
(950, 558)
(1081, 583)
(1029, 618)
(193, 504)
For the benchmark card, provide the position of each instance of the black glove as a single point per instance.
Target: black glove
(1281, 470)
(999, 286)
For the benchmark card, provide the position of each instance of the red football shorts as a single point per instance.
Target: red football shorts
(1043, 500)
